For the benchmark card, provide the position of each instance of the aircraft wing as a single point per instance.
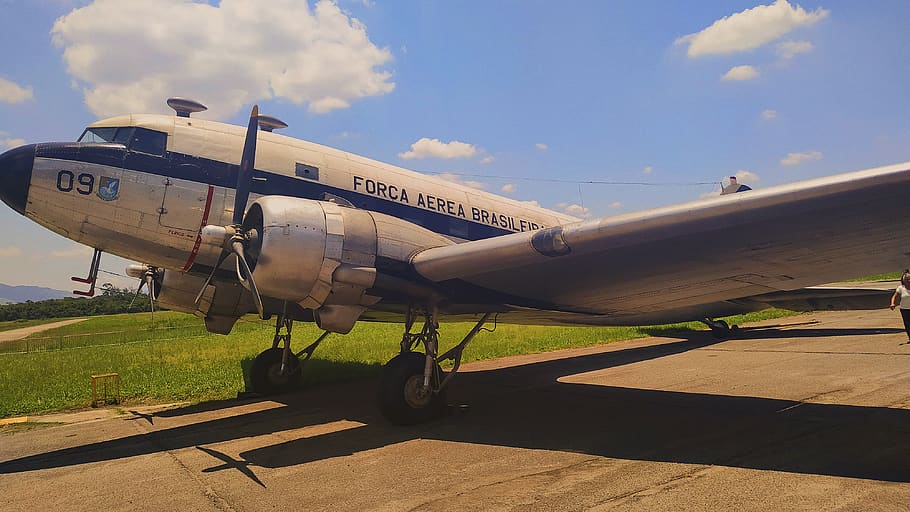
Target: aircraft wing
(697, 259)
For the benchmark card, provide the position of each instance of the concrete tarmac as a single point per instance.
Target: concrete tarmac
(801, 413)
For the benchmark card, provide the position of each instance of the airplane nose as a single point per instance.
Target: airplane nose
(16, 175)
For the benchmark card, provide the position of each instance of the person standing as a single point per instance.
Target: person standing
(902, 297)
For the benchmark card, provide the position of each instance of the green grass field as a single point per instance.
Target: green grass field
(888, 276)
(172, 358)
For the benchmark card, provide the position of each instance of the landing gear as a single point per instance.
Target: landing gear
(403, 399)
(267, 375)
(720, 329)
(412, 385)
(278, 370)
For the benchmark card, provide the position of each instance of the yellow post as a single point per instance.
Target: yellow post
(107, 398)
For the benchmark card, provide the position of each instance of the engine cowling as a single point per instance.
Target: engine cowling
(220, 305)
(323, 256)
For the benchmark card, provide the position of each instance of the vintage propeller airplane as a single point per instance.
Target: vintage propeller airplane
(232, 221)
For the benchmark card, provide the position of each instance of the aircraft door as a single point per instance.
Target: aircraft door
(186, 204)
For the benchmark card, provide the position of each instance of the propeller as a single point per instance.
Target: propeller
(147, 275)
(234, 239)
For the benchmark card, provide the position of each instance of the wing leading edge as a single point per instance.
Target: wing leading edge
(696, 259)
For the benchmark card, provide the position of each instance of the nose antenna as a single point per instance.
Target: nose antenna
(185, 106)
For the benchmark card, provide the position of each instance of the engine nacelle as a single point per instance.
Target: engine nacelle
(323, 256)
(220, 305)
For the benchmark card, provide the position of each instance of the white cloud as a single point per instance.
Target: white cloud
(10, 252)
(130, 55)
(789, 49)
(750, 29)
(325, 105)
(11, 92)
(460, 180)
(740, 73)
(535, 204)
(768, 115)
(11, 143)
(798, 158)
(575, 210)
(746, 177)
(541, 146)
(434, 148)
(647, 170)
(508, 188)
(616, 205)
(487, 159)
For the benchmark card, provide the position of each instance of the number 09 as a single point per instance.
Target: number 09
(66, 180)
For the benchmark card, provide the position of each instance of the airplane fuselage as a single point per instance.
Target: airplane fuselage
(143, 186)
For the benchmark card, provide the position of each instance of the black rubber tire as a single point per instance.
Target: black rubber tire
(721, 331)
(264, 374)
(393, 388)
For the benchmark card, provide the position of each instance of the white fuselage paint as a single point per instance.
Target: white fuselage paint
(157, 219)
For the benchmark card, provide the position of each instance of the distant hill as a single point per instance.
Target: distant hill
(13, 294)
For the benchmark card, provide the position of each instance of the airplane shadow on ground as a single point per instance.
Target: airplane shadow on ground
(753, 333)
(526, 407)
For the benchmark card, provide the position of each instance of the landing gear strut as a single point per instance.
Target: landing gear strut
(720, 329)
(278, 369)
(412, 385)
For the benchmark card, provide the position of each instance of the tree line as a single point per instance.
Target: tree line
(111, 301)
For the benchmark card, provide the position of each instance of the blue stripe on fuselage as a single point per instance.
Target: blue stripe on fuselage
(221, 174)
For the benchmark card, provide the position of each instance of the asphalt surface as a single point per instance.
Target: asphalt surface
(803, 413)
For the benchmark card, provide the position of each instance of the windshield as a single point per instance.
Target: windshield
(104, 134)
(142, 140)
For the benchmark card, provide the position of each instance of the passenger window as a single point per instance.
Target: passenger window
(148, 141)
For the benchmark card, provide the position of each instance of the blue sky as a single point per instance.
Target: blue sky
(507, 94)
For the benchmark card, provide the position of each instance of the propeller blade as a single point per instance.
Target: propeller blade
(247, 163)
(208, 280)
(150, 280)
(138, 293)
(246, 276)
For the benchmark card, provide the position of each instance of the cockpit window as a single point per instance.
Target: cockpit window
(98, 135)
(123, 135)
(147, 141)
(141, 140)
